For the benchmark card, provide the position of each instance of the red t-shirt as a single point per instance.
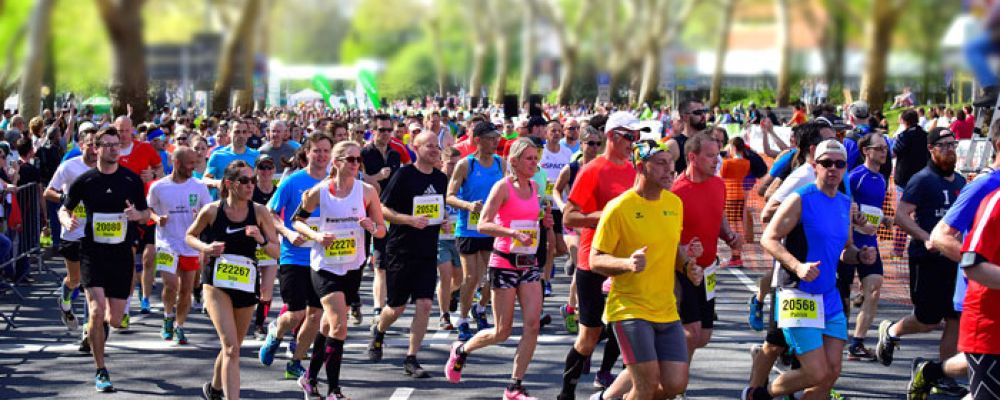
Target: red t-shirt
(465, 147)
(979, 329)
(704, 205)
(962, 128)
(404, 156)
(597, 183)
(142, 157)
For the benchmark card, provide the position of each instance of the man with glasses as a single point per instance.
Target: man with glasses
(382, 162)
(571, 136)
(928, 196)
(693, 117)
(239, 132)
(398, 143)
(277, 146)
(601, 180)
(113, 198)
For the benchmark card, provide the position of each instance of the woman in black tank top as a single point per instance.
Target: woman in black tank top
(229, 279)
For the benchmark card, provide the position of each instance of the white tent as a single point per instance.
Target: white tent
(10, 103)
(304, 96)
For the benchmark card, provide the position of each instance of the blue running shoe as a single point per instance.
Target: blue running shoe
(290, 349)
(144, 305)
(756, 317)
(270, 346)
(179, 335)
(294, 370)
(464, 332)
(102, 381)
(479, 314)
(167, 332)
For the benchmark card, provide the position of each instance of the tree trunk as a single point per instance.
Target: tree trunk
(264, 48)
(34, 63)
(568, 60)
(784, 54)
(527, 53)
(650, 77)
(715, 95)
(129, 82)
(476, 75)
(434, 26)
(503, 61)
(835, 76)
(878, 41)
(239, 38)
(6, 82)
(49, 76)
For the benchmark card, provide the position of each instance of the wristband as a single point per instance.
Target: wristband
(971, 259)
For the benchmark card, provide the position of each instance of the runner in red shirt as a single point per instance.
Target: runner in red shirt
(979, 329)
(599, 181)
(141, 158)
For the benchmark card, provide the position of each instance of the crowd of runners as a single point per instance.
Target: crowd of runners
(468, 213)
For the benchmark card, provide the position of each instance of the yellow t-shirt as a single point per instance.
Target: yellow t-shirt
(628, 223)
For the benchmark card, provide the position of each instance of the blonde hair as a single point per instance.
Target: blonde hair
(340, 150)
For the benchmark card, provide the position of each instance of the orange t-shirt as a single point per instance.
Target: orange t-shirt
(734, 172)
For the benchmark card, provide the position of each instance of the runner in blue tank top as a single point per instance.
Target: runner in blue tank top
(808, 308)
(468, 188)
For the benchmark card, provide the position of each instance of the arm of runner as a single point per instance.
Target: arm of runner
(399, 218)
(310, 200)
(455, 184)
(562, 181)
(193, 236)
(687, 265)
(51, 194)
(906, 222)
(374, 211)
(285, 231)
(573, 218)
(765, 186)
(733, 239)
(493, 202)
(266, 225)
(607, 264)
(675, 153)
(946, 239)
(784, 221)
(985, 273)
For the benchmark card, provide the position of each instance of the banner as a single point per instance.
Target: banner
(322, 85)
(367, 81)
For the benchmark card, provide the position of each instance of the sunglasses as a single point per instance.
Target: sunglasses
(265, 167)
(385, 129)
(351, 159)
(182, 138)
(571, 128)
(699, 112)
(108, 145)
(627, 135)
(246, 180)
(593, 143)
(828, 164)
(946, 145)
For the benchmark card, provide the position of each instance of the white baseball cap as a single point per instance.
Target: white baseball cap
(830, 146)
(624, 119)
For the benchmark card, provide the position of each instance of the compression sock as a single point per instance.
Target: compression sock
(611, 353)
(334, 357)
(318, 358)
(573, 370)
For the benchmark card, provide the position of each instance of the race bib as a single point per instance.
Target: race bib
(549, 187)
(80, 212)
(263, 259)
(473, 222)
(530, 228)
(429, 206)
(166, 260)
(314, 223)
(343, 249)
(234, 272)
(710, 280)
(109, 228)
(798, 309)
(872, 214)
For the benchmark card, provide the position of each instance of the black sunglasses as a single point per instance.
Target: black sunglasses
(593, 143)
(351, 159)
(244, 180)
(265, 166)
(827, 163)
(630, 136)
(385, 129)
(699, 112)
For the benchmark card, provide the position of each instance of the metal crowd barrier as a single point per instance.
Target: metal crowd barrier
(25, 238)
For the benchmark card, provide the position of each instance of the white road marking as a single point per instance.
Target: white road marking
(401, 394)
(742, 276)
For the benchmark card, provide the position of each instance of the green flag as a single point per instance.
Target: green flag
(322, 85)
(367, 80)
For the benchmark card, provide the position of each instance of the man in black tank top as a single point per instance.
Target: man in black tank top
(693, 116)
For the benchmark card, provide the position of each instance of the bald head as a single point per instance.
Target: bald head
(124, 126)
(185, 161)
(426, 146)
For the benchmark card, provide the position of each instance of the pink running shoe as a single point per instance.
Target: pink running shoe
(310, 390)
(517, 394)
(453, 368)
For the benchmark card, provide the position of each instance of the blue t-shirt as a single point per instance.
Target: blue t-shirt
(961, 215)
(933, 196)
(782, 163)
(868, 188)
(476, 187)
(75, 151)
(165, 161)
(825, 222)
(852, 152)
(575, 148)
(286, 199)
(221, 158)
(295, 145)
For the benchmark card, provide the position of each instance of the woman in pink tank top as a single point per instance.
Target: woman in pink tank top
(511, 215)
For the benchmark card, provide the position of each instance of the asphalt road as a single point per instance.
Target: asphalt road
(39, 359)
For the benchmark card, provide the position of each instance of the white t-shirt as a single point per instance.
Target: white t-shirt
(801, 176)
(552, 164)
(64, 176)
(181, 202)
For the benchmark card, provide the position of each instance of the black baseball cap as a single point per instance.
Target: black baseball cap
(936, 134)
(485, 128)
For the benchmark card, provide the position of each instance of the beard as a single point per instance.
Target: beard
(947, 163)
(699, 125)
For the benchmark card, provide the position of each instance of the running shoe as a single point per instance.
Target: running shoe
(310, 390)
(603, 379)
(519, 393)
(84, 340)
(598, 395)
(270, 346)
(756, 317)
(294, 370)
(210, 393)
(858, 351)
(857, 300)
(375, 315)
(179, 336)
(125, 321)
(144, 305)
(546, 288)
(479, 314)
(734, 263)
(69, 319)
(413, 368)
(102, 381)
(919, 387)
(292, 345)
(886, 344)
(835, 396)
(64, 303)
(544, 320)
(337, 396)
(569, 268)
(375, 346)
(167, 331)
(260, 332)
(453, 368)
(444, 323)
(464, 332)
(948, 386)
(569, 318)
(356, 316)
